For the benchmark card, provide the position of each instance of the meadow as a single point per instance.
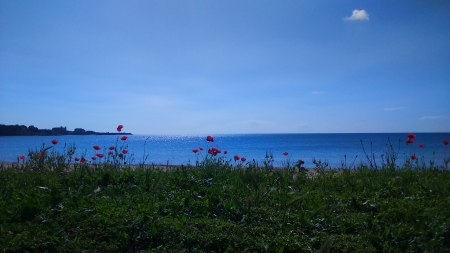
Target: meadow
(54, 202)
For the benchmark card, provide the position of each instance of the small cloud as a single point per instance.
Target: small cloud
(434, 117)
(316, 92)
(358, 15)
(394, 108)
(256, 122)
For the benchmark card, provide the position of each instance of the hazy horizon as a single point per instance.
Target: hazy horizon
(226, 67)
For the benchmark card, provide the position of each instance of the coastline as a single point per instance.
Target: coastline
(311, 172)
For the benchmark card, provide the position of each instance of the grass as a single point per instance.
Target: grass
(49, 204)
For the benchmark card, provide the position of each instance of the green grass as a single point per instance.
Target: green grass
(217, 208)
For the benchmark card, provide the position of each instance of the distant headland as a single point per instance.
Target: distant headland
(21, 130)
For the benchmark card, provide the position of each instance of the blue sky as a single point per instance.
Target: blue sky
(219, 67)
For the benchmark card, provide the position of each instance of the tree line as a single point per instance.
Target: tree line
(22, 130)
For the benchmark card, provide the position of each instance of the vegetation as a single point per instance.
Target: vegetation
(50, 204)
(22, 130)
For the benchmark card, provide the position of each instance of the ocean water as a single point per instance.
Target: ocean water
(334, 149)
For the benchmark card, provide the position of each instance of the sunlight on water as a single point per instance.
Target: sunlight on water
(177, 149)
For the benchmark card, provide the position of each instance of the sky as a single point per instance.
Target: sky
(226, 66)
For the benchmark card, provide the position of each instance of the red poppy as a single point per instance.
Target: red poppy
(93, 158)
(413, 157)
(77, 159)
(210, 151)
(409, 141)
(214, 151)
(111, 148)
(225, 152)
(119, 128)
(125, 151)
(209, 138)
(22, 157)
(201, 148)
(83, 160)
(420, 144)
(120, 155)
(40, 155)
(195, 150)
(285, 153)
(446, 142)
(99, 155)
(96, 147)
(124, 138)
(236, 157)
(411, 136)
(55, 142)
(243, 159)
(110, 153)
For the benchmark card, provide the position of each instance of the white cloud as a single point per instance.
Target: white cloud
(316, 92)
(434, 117)
(394, 108)
(257, 122)
(358, 15)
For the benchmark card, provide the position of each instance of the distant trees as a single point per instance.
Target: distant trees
(20, 130)
(13, 130)
(33, 130)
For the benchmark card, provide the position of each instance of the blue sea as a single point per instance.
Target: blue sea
(335, 149)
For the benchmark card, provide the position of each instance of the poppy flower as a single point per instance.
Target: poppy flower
(225, 152)
(40, 155)
(413, 157)
(93, 158)
(121, 155)
(201, 148)
(111, 148)
(236, 157)
(83, 160)
(409, 141)
(243, 159)
(124, 138)
(212, 152)
(285, 153)
(411, 136)
(420, 144)
(22, 157)
(99, 155)
(209, 138)
(195, 150)
(119, 128)
(96, 147)
(77, 159)
(55, 142)
(110, 153)
(125, 151)
(446, 142)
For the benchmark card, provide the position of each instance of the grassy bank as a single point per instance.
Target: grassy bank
(218, 208)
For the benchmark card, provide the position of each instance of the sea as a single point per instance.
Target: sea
(334, 149)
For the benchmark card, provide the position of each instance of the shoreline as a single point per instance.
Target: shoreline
(310, 171)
